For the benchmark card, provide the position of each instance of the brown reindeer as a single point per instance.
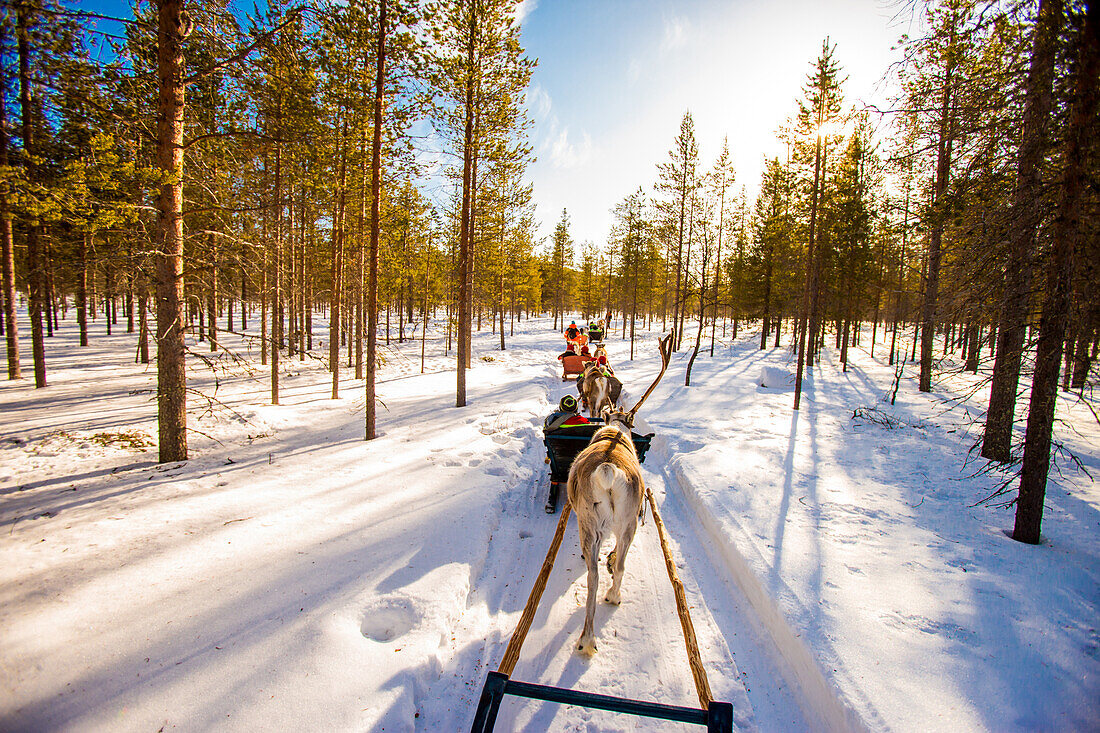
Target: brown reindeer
(598, 387)
(595, 390)
(606, 491)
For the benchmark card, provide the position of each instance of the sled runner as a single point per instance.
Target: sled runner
(562, 446)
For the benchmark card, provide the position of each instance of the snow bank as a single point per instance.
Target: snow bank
(775, 378)
(824, 703)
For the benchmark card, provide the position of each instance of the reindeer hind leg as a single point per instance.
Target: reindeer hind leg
(590, 550)
(622, 546)
(626, 524)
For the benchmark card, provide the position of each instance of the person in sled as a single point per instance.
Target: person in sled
(570, 348)
(571, 331)
(595, 332)
(582, 338)
(565, 416)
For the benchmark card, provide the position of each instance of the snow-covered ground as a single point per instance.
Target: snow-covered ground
(292, 576)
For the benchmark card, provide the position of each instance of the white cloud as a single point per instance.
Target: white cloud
(675, 36)
(553, 140)
(525, 8)
(538, 102)
(567, 153)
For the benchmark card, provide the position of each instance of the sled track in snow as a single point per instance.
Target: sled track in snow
(821, 702)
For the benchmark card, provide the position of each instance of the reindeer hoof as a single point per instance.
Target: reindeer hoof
(613, 598)
(586, 647)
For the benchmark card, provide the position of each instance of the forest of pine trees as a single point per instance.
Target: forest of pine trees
(204, 171)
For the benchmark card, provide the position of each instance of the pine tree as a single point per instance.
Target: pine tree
(818, 112)
(721, 178)
(7, 245)
(36, 276)
(561, 259)
(173, 27)
(482, 73)
(631, 232)
(678, 179)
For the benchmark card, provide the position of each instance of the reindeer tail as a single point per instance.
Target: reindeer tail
(604, 479)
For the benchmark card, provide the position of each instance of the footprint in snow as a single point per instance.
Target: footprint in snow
(388, 619)
(497, 471)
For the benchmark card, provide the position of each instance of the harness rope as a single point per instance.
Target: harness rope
(702, 686)
(515, 644)
(511, 654)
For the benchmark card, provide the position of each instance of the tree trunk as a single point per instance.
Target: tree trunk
(466, 216)
(467, 329)
(173, 27)
(997, 442)
(50, 313)
(424, 314)
(1082, 360)
(129, 292)
(276, 306)
(7, 253)
(301, 287)
(34, 270)
(699, 329)
(335, 306)
(766, 325)
(7, 261)
(143, 320)
(361, 266)
(939, 216)
(82, 290)
(212, 299)
(810, 258)
(1068, 229)
(265, 296)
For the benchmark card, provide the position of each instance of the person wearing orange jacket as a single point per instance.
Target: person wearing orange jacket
(571, 331)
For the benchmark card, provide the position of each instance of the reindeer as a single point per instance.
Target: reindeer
(606, 491)
(595, 390)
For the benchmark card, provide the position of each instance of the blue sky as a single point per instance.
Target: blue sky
(615, 78)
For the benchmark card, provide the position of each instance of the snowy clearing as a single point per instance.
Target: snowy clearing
(292, 576)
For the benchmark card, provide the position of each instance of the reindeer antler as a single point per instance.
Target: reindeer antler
(665, 345)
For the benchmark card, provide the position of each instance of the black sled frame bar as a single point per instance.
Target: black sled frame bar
(718, 717)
